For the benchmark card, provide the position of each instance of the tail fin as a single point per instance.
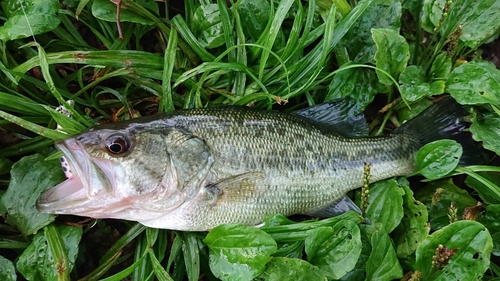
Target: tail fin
(443, 120)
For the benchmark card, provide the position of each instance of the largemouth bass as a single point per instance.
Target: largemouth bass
(196, 169)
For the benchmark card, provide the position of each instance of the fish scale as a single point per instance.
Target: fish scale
(199, 168)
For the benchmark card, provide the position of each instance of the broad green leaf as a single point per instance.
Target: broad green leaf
(479, 21)
(414, 85)
(5, 165)
(385, 204)
(106, 10)
(37, 261)
(438, 158)
(383, 263)
(484, 191)
(291, 269)
(7, 270)
(361, 84)
(441, 67)
(489, 218)
(335, 250)
(254, 16)
(359, 270)
(30, 17)
(438, 195)
(413, 228)
(30, 176)
(486, 128)
(473, 245)
(359, 41)
(475, 83)
(392, 53)
(239, 252)
(208, 26)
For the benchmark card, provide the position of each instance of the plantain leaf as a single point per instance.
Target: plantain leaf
(385, 204)
(29, 18)
(471, 243)
(382, 250)
(239, 252)
(490, 219)
(281, 268)
(438, 158)
(475, 83)
(7, 270)
(486, 128)
(393, 52)
(37, 261)
(414, 85)
(413, 228)
(334, 250)
(30, 177)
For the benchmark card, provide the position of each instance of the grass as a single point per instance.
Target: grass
(391, 57)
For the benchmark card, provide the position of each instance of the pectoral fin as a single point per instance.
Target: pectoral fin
(240, 188)
(336, 208)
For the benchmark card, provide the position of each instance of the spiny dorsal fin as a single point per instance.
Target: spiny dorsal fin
(337, 116)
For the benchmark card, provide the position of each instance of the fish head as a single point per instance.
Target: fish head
(115, 173)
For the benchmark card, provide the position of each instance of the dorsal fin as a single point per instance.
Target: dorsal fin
(337, 116)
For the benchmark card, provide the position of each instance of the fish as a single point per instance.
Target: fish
(195, 169)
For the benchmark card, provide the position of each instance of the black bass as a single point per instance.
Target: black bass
(196, 169)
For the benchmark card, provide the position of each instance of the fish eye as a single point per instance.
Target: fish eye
(117, 144)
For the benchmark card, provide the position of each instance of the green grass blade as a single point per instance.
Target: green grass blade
(191, 40)
(160, 272)
(122, 275)
(133, 232)
(268, 38)
(166, 102)
(102, 269)
(37, 129)
(55, 242)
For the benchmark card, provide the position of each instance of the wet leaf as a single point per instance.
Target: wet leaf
(438, 158)
(383, 263)
(385, 204)
(414, 85)
(208, 26)
(7, 270)
(360, 84)
(486, 128)
(489, 218)
(37, 261)
(30, 17)
(392, 53)
(30, 177)
(413, 228)
(334, 250)
(254, 16)
(475, 83)
(106, 10)
(438, 195)
(359, 39)
(239, 252)
(359, 270)
(291, 269)
(473, 245)
(441, 67)
(479, 20)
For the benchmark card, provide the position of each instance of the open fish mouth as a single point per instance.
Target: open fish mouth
(80, 190)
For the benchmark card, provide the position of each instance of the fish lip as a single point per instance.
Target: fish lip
(72, 192)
